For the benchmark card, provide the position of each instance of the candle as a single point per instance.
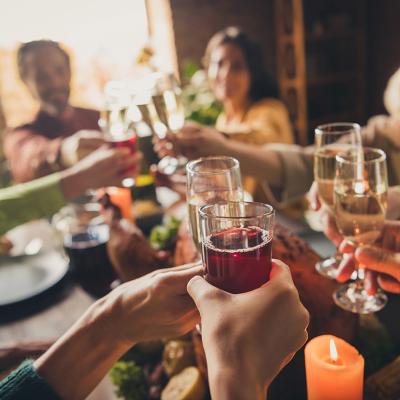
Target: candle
(122, 198)
(334, 369)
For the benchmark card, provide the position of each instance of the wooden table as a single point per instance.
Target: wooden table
(50, 323)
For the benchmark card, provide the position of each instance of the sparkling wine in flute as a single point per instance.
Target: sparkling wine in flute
(324, 170)
(169, 109)
(360, 216)
(200, 199)
(238, 260)
(113, 121)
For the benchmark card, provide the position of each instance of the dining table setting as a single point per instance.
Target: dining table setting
(58, 267)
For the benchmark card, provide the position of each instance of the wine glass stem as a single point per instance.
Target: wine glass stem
(360, 277)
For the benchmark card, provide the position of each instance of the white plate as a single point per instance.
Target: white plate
(32, 238)
(26, 277)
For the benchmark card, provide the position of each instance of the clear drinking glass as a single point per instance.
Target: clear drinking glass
(211, 180)
(115, 122)
(164, 106)
(236, 242)
(85, 235)
(330, 140)
(360, 202)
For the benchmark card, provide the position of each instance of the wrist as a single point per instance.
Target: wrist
(227, 382)
(84, 354)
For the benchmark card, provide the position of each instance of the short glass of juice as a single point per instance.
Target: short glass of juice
(236, 240)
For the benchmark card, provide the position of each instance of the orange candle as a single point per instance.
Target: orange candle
(122, 198)
(334, 369)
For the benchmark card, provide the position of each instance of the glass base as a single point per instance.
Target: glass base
(328, 267)
(357, 300)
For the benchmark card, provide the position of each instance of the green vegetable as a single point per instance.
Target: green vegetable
(163, 236)
(129, 380)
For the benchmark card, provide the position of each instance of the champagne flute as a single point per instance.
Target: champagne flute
(330, 140)
(167, 102)
(360, 202)
(211, 180)
(114, 120)
(236, 242)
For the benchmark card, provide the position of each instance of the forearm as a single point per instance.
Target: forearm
(233, 385)
(78, 361)
(27, 201)
(261, 163)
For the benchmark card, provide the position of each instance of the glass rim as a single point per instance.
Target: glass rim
(382, 157)
(191, 165)
(270, 212)
(320, 129)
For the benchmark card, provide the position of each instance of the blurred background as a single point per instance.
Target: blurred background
(318, 50)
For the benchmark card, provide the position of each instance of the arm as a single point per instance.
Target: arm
(150, 308)
(44, 196)
(28, 201)
(31, 155)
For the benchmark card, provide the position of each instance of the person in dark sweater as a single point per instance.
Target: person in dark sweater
(242, 358)
(60, 134)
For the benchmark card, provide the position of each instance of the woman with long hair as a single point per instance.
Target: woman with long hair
(252, 112)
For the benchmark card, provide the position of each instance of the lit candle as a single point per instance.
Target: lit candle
(122, 198)
(334, 369)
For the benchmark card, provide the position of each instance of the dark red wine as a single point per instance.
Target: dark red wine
(238, 260)
(88, 259)
(129, 143)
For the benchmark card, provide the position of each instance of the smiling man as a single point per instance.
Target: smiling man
(60, 134)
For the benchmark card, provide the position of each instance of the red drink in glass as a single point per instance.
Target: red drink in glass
(129, 143)
(238, 259)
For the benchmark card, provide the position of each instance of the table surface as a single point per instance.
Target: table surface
(51, 322)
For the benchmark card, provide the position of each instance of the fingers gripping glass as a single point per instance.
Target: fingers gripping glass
(330, 140)
(236, 240)
(360, 202)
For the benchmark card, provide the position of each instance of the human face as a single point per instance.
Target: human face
(229, 74)
(47, 76)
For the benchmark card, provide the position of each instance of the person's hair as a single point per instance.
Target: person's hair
(261, 84)
(29, 47)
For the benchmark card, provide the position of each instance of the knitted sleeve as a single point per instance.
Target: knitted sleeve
(25, 383)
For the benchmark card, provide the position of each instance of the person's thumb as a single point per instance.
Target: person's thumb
(201, 291)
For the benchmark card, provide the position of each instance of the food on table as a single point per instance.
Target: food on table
(187, 385)
(129, 380)
(129, 250)
(164, 236)
(178, 354)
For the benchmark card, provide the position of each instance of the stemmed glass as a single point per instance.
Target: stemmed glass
(236, 242)
(114, 120)
(211, 180)
(161, 107)
(360, 202)
(330, 140)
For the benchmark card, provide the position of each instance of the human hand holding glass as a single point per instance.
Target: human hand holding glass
(236, 240)
(115, 122)
(330, 140)
(360, 190)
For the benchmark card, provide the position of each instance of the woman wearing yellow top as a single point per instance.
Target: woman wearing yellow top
(251, 111)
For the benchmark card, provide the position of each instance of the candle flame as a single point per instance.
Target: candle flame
(332, 350)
